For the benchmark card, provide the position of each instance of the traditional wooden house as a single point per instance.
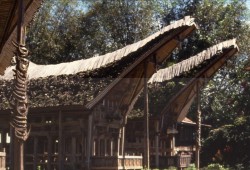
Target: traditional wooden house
(166, 154)
(172, 136)
(78, 110)
(178, 106)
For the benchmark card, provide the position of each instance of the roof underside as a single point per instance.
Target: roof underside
(178, 106)
(8, 24)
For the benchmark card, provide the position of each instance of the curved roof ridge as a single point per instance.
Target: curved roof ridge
(188, 64)
(36, 71)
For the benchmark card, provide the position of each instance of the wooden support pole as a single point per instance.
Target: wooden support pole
(49, 152)
(98, 147)
(118, 143)
(17, 143)
(73, 153)
(123, 140)
(89, 142)
(146, 120)
(172, 144)
(60, 140)
(157, 144)
(35, 153)
(11, 161)
(105, 147)
(18, 154)
(198, 129)
(111, 147)
(20, 23)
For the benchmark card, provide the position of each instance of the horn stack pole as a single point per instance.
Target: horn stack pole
(19, 128)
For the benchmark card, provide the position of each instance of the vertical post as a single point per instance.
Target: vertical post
(123, 140)
(98, 146)
(18, 154)
(118, 143)
(20, 134)
(20, 23)
(146, 120)
(60, 140)
(198, 129)
(73, 153)
(123, 135)
(11, 161)
(173, 144)
(105, 146)
(35, 153)
(49, 152)
(111, 147)
(157, 144)
(89, 144)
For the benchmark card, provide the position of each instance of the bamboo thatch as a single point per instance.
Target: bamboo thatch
(36, 71)
(70, 84)
(130, 82)
(178, 106)
(188, 64)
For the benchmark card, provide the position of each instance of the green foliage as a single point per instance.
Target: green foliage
(64, 32)
(191, 167)
(215, 167)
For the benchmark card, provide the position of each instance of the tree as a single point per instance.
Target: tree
(68, 30)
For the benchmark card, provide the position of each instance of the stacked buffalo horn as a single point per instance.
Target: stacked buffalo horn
(20, 100)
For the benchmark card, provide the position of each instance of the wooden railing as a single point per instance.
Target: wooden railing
(116, 162)
(2, 161)
(179, 161)
(183, 161)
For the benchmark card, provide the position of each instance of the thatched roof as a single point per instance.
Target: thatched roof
(8, 27)
(128, 85)
(178, 106)
(188, 64)
(80, 81)
(97, 62)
